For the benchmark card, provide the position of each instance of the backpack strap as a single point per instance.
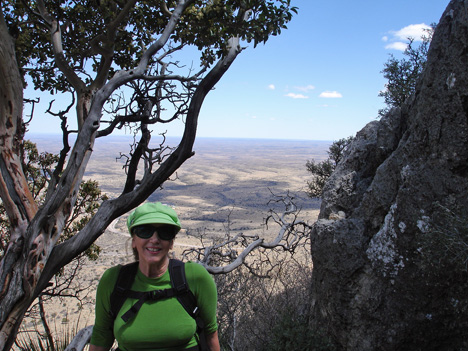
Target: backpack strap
(123, 284)
(186, 298)
(122, 292)
(180, 285)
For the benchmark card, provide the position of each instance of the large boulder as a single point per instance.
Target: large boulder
(392, 274)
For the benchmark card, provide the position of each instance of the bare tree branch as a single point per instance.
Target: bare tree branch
(114, 208)
(56, 40)
(290, 234)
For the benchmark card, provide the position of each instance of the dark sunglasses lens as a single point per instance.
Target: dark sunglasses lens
(166, 233)
(147, 231)
(144, 231)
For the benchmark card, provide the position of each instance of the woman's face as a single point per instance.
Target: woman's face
(152, 251)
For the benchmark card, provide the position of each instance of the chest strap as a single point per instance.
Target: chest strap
(144, 296)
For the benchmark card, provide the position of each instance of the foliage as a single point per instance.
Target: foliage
(90, 32)
(37, 169)
(36, 341)
(321, 171)
(403, 74)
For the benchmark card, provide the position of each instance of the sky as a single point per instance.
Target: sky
(319, 79)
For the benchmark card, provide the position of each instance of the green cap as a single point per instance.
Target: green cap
(153, 213)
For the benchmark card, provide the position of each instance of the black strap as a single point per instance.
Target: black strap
(179, 283)
(122, 292)
(123, 284)
(186, 298)
(142, 298)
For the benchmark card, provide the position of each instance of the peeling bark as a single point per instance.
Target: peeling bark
(14, 191)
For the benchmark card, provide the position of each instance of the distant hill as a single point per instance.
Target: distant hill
(227, 178)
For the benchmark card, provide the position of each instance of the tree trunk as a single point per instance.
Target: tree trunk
(33, 233)
(14, 191)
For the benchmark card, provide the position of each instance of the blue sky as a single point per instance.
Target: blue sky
(318, 80)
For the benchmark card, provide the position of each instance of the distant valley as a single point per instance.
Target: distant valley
(226, 178)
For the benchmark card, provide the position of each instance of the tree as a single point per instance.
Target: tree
(37, 169)
(120, 61)
(403, 74)
(321, 171)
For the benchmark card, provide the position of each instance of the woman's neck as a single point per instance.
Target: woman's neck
(154, 270)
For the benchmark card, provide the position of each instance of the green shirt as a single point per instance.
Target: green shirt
(161, 325)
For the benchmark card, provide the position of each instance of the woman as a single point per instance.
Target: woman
(164, 324)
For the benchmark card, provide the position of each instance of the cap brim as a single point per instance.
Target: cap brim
(154, 218)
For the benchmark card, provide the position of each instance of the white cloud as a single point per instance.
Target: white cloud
(306, 88)
(399, 38)
(397, 46)
(330, 94)
(297, 96)
(271, 87)
(415, 31)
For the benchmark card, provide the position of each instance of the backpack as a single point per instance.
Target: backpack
(179, 289)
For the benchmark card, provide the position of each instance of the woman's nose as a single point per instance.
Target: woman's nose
(155, 236)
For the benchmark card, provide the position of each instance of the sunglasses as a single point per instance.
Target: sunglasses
(146, 231)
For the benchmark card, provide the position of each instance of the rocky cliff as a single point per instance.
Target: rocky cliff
(392, 274)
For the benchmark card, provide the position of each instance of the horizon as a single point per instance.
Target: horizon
(323, 87)
(59, 135)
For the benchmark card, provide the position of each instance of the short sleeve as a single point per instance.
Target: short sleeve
(103, 334)
(204, 288)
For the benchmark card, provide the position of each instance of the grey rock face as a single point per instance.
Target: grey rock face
(391, 274)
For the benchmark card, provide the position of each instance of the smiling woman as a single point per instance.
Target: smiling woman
(151, 249)
(152, 315)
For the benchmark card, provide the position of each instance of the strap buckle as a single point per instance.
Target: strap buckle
(160, 294)
(157, 294)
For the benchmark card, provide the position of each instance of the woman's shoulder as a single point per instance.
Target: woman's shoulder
(112, 270)
(196, 274)
(109, 277)
(195, 268)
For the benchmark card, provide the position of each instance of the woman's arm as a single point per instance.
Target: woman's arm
(211, 339)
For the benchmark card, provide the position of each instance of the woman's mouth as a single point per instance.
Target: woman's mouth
(153, 249)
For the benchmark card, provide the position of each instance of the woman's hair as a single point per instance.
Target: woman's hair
(135, 254)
